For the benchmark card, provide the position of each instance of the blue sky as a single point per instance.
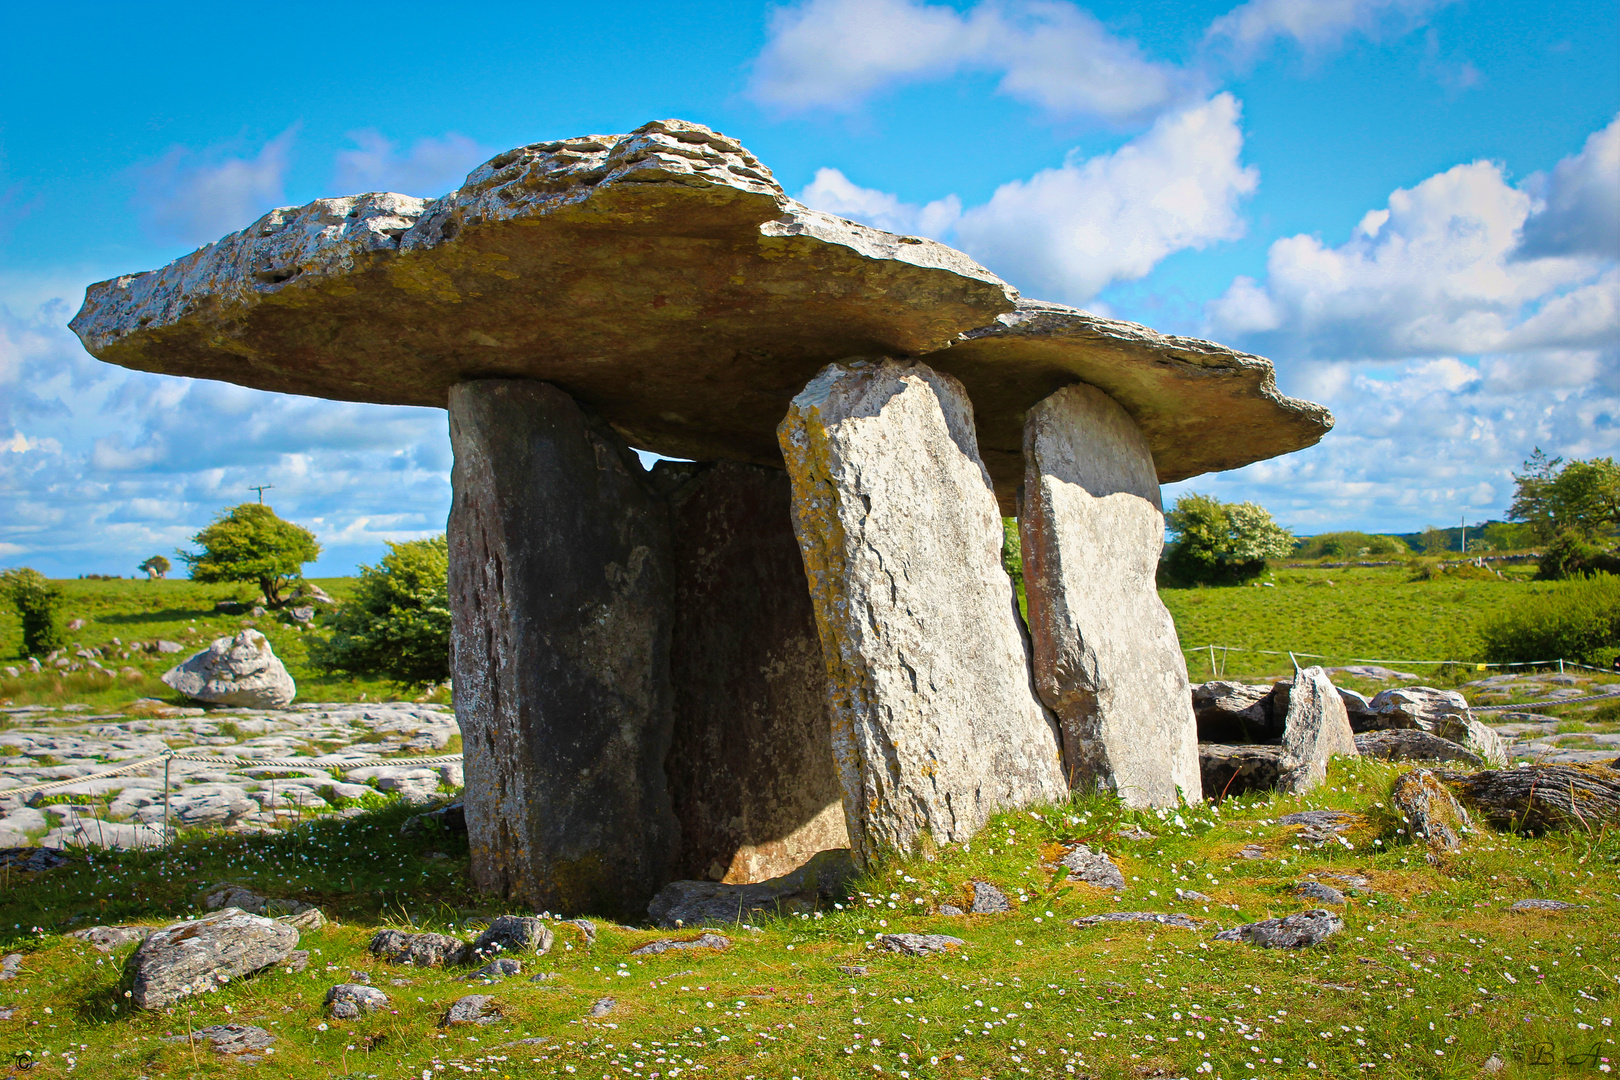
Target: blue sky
(1411, 206)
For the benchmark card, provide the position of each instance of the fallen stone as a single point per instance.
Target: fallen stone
(240, 670)
(1322, 894)
(1439, 712)
(1357, 882)
(1194, 895)
(199, 955)
(1092, 867)
(934, 723)
(419, 950)
(348, 1001)
(1239, 770)
(297, 960)
(707, 940)
(601, 1007)
(950, 909)
(1411, 744)
(1544, 905)
(1107, 660)
(1315, 728)
(472, 1009)
(1541, 798)
(714, 903)
(166, 647)
(988, 900)
(107, 938)
(498, 969)
(919, 944)
(311, 918)
(750, 763)
(1134, 832)
(854, 971)
(1252, 851)
(452, 819)
(1431, 812)
(561, 602)
(1297, 931)
(230, 1039)
(1185, 922)
(1331, 819)
(514, 934)
(586, 928)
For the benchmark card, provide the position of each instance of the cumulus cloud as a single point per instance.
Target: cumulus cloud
(1577, 209)
(1314, 25)
(1068, 232)
(1442, 269)
(194, 196)
(836, 53)
(428, 168)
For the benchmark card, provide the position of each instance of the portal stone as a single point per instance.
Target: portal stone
(561, 593)
(750, 767)
(1107, 659)
(935, 723)
(1316, 728)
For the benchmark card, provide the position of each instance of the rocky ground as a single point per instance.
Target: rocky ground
(1535, 736)
(242, 793)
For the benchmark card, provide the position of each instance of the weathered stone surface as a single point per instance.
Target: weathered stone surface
(919, 944)
(1431, 812)
(241, 670)
(349, 1001)
(1542, 798)
(750, 763)
(715, 903)
(231, 1039)
(1522, 906)
(560, 593)
(1439, 712)
(194, 956)
(514, 934)
(1230, 712)
(935, 723)
(498, 969)
(1297, 931)
(107, 938)
(602, 1007)
(1410, 744)
(1322, 894)
(718, 942)
(419, 950)
(1238, 770)
(1315, 728)
(988, 900)
(1106, 657)
(1159, 918)
(472, 1009)
(1092, 867)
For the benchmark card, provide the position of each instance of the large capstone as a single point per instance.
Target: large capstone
(560, 592)
(1107, 659)
(750, 766)
(935, 721)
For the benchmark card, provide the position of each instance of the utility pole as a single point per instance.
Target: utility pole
(1464, 520)
(260, 488)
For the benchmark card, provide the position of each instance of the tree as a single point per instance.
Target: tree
(1555, 497)
(155, 567)
(1503, 536)
(397, 625)
(250, 543)
(1436, 541)
(1220, 543)
(38, 602)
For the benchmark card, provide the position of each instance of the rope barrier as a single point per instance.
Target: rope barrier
(1546, 704)
(1560, 664)
(328, 765)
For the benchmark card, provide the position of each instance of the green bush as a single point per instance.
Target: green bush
(397, 625)
(1572, 620)
(1221, 543)
(1350, 545)
(1572, 555)
(39, 603)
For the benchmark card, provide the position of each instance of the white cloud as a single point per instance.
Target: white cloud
(428, 169)
(836, 53)
(195, 197)
(1314, 25)
(1438, 271)
(1578, 205)
(835, 193)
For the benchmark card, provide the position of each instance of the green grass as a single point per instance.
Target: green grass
(1431, 977)
(136, 611)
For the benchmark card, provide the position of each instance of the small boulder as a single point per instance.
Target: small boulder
(950, 909)
(1294, 932)
(497, 969)
(1322, 894)
(586, 928)
(707, 940)
(472, 1009)
(602, 1006)
(166, 647)
(198, 955)
(1092, 867)
(230, 1039)
(514, 934)
(1316, 728)
(714, 903)
(1439, 712)
(1522, 906)
(919, 944)
(241, 670)
(1429, 809)
(107, 938)
(348, 1001)
(1185, 922)
(1411, 744)
(988, 900)
(419, 950)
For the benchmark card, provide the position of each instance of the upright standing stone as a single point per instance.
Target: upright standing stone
(935, 722)
(1316, 728)
(560, 591)
(1107, 659)
(750, 766)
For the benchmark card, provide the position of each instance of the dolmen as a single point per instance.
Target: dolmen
(801, 637)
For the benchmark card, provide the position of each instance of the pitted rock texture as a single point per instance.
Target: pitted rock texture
(1184, 922)
(107, 938)
(241, 670)
(919, 944)
(1092, 867)
(1431, 812)
(1315, 727)
(935, 723)
(718, 942)
(199, 955)
(472, 1009)
(1541, 798)
(514, 934)
(561, 603)
(750, 764)
(1107, 659)
(230, 1039)
(665, 279)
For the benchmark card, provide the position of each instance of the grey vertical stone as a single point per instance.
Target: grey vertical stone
(935, 721)
(1107, 659)
(560, 592)
(750, 765)
(1316, 728)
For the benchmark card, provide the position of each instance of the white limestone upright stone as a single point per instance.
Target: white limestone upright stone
(935, 722)
(1107, 659)
(1317, 727)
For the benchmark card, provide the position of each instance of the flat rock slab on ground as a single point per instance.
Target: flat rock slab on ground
(988, 900)
(107, 938)
(718, 942)
(1411, 744)
(229, 1039)
(1185, 922)
(1522, 906)
(202, 954)
(502, 968)
(1092, 867)
(1540, 798)
(716, 903)
(1296, 931)
(472, 1009)
(919, 944)
(1320, 893)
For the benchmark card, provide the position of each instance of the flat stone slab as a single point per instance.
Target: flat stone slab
(1297, 931)
(1160, 918)
(710, 940)
(665, 279)
(919, 944)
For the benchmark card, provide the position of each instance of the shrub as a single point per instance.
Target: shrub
(250, 543)
(155, 568)
(397, 625)
(1350, 545)
(1221, 543)
(39, 603)
(1572, 554)
(1572, 620)
(1012, 552)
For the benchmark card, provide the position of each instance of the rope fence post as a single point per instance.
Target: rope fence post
(166, 759)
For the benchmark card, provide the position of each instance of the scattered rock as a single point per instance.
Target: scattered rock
(1336, 819)
(10, 966)
(32, 859)
(311, 918)
(1544, 905)
(1252, 851)
(1134, 832)
(198, 955)
(715, 903)
(76, 624)
(1185, 922)
(348, 1001)
(1294, 932)
(1195, 896)
(229, 1038)
(854, 971)
(1412, 744)
(1439, 712)
(240, 670)
(472, 1009)
(225, 895)
(498, 969)
(544, 976)
(950, 909)
(419, 950)
(166, 647)
(1238, 770)
(1431, 812)
(1542, 798)
(988, 900)
(514, 934)
(602, 1006)
(1322, 894)
(107, 938)
(707, 940)
(1493, 1065)
(586, 928)
(1349, 881)
(452, 819)
(297, 961)
(919, 944)
(1092, 867)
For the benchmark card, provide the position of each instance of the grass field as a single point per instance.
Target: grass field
(1431, 977)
